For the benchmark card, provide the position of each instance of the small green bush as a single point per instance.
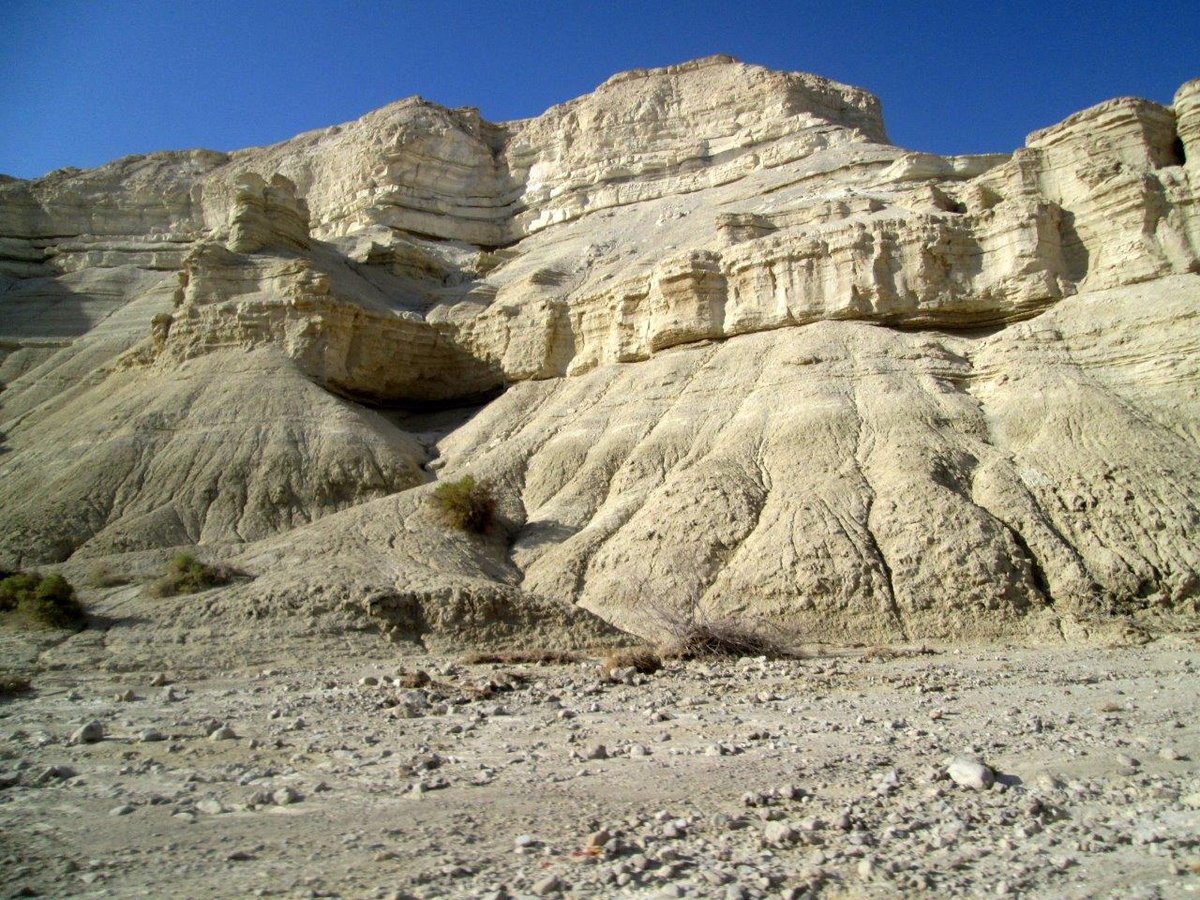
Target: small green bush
(466, 504)
(187, 575)
(48, 600)
(16, 587)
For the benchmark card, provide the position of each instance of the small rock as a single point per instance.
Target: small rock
(778, 833)
(285, 796)
(53, 773)
(224, 733)
(1171, 754)
(547, 886)
(90, 733)
(970, 773)
(889, 783)
(123, 810)
(210, 806)
(151, 735)
(789, 792)
(599, 751)
(598, 839)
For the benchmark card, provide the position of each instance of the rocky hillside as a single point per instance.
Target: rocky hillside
(720, 348)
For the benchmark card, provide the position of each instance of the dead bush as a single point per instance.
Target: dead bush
(723, 638)
(643, 659)
(692, 634)
(417, 679)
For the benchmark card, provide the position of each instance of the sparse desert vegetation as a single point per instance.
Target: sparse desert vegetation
(188, 575)
(644, 660)
(49, 600)
(466, 504)
(725, 637)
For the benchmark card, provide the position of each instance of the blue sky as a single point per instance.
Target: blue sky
(85, 82)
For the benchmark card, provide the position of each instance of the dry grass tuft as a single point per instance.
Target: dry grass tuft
(644, 659)
(521, 657)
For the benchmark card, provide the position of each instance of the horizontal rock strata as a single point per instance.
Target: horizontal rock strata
(756, 361)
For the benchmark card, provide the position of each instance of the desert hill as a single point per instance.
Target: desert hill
(720, 348)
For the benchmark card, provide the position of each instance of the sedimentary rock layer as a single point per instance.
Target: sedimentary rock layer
(755, 360)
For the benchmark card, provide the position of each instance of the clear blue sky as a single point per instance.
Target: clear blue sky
(85, 82)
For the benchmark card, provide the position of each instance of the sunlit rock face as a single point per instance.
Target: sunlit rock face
(755, 360)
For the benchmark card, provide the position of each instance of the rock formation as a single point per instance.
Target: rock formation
(735, 355)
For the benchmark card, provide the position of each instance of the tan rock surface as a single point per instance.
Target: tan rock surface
(758, 362)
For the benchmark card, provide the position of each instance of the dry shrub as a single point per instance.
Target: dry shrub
(187, 575)
(417, 679)
(683, 629)
(521, 657)
(13, 686)
(694, 635)
(466, 504)
(644, 659)
(723, 638)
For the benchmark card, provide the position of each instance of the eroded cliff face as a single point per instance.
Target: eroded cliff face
(756, 359)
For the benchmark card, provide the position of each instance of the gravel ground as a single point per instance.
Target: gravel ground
(1049, 772)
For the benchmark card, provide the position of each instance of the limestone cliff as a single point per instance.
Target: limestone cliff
(755, 360)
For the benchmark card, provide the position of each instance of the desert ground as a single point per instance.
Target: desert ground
(368, 771)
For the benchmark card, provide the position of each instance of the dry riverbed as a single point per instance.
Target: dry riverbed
(826, 776)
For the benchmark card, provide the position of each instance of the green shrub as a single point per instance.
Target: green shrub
(466, 504)
(48, 601)
(187, 575)
(16, 587)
